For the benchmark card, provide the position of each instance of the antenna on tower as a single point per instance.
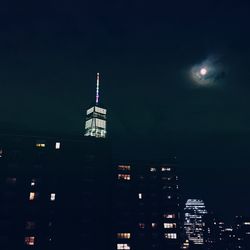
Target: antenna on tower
(97, 89)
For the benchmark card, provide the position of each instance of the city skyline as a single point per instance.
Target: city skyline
(152, 58)
(133, 205)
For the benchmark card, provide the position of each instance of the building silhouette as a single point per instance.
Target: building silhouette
(60, 192)
(146, 207)
(54, 193)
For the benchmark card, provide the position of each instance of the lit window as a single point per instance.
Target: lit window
(52, 196)
(58, 145)
(169, 196)
(140, 196)
(142, 225)
(165, 169)
(124, 177)
(33, 196)
(169, 225)
(154, 225)
(1, 153)
(40, 145)
(91, 110)
(123, 235)
(152, 169)
(29, 240)
(123, 246)
(169, 216)
(33, 182)
(185, 245)
(124, 167)
(246, 223)
(170, 235)
(30, 225)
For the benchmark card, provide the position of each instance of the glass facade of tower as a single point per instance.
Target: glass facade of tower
(95, 124)
(194, 212)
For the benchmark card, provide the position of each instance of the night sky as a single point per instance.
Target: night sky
(145, 52)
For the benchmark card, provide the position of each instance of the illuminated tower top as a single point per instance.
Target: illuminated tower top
(95, 124)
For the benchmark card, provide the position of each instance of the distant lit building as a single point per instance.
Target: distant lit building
(228, 240)
(194, 211)
(214, 232)
(95, 124)
(219, 236)
(146, 207)
(242, 232)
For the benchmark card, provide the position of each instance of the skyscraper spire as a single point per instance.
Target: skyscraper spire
(97, 89)
(95, 123)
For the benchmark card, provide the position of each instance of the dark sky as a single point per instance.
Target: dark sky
(50, 52)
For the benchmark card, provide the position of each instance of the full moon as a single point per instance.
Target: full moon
(203, 71)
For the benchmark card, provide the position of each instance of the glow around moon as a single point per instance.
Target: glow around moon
(208, 72)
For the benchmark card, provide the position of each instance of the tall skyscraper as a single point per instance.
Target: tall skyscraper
(193, 224)
(95, 124)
